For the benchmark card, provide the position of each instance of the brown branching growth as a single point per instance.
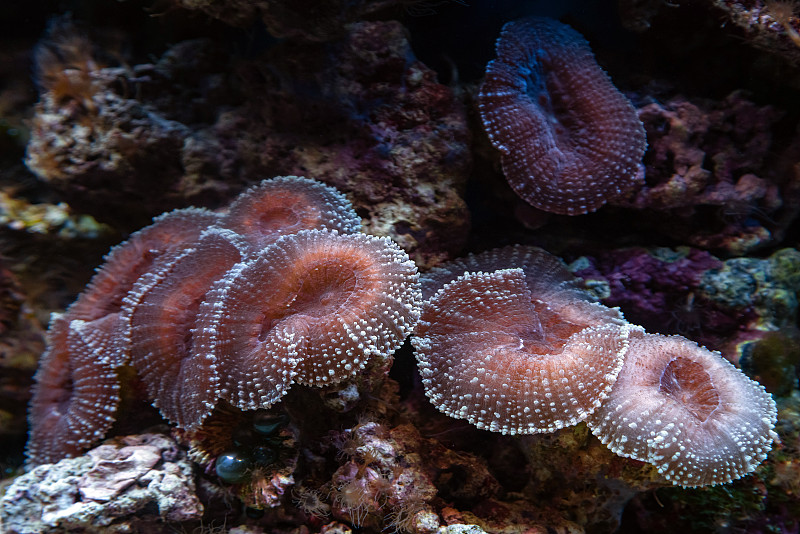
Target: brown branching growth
(65, 65)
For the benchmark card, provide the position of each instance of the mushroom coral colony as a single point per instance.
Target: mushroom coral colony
(508, 341)
(282, 288)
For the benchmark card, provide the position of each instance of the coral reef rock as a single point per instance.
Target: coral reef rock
(723, 170)
(121, 486)
(364, 116)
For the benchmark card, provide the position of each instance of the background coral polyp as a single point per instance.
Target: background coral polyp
(569, 140)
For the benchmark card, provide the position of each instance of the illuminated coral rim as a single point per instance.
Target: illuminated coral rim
(332, 208)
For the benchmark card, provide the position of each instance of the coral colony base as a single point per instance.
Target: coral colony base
(507, 339)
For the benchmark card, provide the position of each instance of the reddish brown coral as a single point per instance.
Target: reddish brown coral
(570, 141)
(687, 411)
(516, 350)
(312, 308)
(75, 396)
(204, 312)
(76, 392)
(287, 205)
(122, 268)
(159, 317)
(128, 261)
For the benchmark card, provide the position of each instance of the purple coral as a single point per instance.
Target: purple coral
(723, 170)
(659, 288)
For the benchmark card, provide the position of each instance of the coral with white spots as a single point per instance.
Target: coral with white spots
(513, 347)
(687, 411)
(205, 313)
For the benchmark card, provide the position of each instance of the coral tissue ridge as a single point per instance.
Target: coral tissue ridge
(241, 304)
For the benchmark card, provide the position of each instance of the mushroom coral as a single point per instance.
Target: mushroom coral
(686, 410)
(159, 318)
(312, 308)
(76, 391)
(287, 205)
(569, 140)
(491, 352)
(513, 345)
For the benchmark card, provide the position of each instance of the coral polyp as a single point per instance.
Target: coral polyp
(569, 140)
(310, 501)
(688, 411)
